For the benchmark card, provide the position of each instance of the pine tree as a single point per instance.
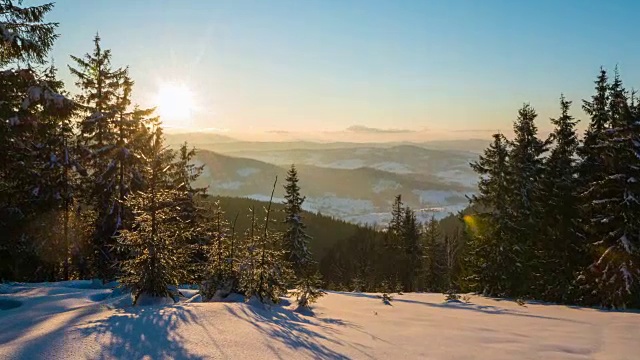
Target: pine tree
(614, 226)
(489, 255)
(308, 289)
(295, 241)
(560, 250)
(155, 243)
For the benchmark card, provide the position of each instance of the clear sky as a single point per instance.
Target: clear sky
(322, 66)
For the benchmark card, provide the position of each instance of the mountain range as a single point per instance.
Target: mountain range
(355, 182)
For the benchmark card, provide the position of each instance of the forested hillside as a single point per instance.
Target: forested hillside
(325, 231)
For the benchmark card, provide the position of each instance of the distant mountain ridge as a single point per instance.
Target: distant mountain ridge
(352, 184)
(223, 143)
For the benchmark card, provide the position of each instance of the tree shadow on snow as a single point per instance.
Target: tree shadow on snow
(296, 331)
(141, 332)
(486, 309)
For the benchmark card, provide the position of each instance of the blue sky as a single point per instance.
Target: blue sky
(306, 65)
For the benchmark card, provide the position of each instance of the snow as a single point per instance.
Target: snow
(463, 177)
(345, 164)
(244, 172)
(384, 184)
(440, 197)
(229, 185)
(56, 321)
(393, 167)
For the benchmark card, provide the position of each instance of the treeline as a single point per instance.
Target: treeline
(404, 256)
(560, 218)
(88, 188)
(555, 219)
(325, 231)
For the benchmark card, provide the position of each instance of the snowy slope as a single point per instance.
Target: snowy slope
(55, 321)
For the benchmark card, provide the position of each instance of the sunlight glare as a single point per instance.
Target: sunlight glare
(175, 105)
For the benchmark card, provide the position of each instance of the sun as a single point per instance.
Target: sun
(175, 105)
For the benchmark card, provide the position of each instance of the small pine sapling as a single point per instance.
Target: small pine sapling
(308, 290)
(452, 296)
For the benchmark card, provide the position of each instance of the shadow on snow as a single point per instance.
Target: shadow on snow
(137, 333)
(296, 330)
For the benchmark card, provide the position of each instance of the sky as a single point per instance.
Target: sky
(415, 69)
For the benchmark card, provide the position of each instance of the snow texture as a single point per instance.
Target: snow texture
(78, 321)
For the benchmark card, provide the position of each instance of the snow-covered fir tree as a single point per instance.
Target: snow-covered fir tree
(109, 133)
(295, 243)
(614, 203)
(155, 244)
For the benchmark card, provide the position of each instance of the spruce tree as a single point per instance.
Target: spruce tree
(489, 254)
(613, 279)
(155, 243)
(295, 241)
(111, 132)
(525, 163)
(560, 251)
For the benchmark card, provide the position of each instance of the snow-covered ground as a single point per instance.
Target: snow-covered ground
(73, 321)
